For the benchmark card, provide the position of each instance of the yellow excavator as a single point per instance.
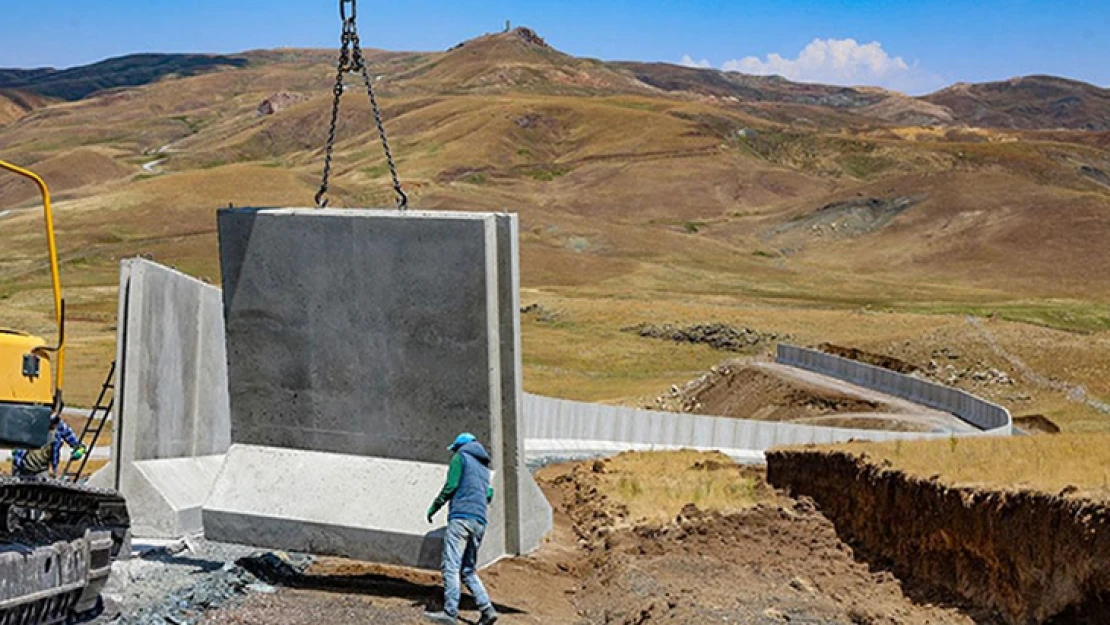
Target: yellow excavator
(30, 390)
(57, 538)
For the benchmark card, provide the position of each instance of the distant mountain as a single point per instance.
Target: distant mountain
(1030, 102)
(520, 61)
(747, 87)
(125, 71)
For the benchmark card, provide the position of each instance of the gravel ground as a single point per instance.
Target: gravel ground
(308, 607)
(178, 583)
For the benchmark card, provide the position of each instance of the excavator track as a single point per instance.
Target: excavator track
(57, 543)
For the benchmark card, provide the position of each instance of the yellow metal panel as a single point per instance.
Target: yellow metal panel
(14, 386)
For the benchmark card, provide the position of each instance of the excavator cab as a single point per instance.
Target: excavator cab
(30, 370)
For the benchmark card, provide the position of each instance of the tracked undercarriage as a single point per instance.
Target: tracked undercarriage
(57, 543)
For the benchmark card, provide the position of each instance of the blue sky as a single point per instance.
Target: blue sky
(911, 45)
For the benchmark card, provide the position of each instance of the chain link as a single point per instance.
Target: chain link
(351, 60)
(402, 198)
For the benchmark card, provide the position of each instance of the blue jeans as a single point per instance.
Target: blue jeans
(460, 560)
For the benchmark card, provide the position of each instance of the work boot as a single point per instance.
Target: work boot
(441, 617)
(489, 616)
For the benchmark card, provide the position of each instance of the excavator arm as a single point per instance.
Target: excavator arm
(29, 391)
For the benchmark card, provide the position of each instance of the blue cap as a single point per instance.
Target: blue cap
(462, 439)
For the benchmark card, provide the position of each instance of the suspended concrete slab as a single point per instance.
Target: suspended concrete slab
(359, 344)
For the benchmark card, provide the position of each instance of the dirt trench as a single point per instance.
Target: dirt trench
(1025, 558)
(778, 561)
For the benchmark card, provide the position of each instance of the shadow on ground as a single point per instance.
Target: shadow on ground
(279, 571)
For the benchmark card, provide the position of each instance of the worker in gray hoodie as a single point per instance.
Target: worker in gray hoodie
(469, 492)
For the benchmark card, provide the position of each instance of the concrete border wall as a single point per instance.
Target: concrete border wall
(172, 416)
(360, 343)
(564, 428)
(981, 413)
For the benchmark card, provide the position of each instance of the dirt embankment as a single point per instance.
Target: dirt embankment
(878, 360)
(778, 560)
(1025, 557)
(734, 389)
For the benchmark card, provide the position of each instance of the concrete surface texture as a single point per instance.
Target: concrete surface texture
(172, 415)
(979, 412)
(356, 337)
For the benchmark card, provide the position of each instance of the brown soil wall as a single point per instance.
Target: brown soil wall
(1028, 557)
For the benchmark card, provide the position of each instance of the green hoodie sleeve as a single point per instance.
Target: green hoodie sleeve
(454, 475)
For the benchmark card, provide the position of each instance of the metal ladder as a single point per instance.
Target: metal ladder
(98, 417)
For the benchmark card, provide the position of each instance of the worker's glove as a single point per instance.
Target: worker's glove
(431, 513)
(79, 453)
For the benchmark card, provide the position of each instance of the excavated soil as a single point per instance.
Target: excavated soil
(878, 360)
(775, 562)
(1024, 557)
(746, 392)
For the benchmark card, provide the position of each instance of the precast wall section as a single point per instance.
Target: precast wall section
(979, 412)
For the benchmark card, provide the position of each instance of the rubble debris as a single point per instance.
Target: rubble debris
(179, 582)
(279, 102)
(716, 335)
(964, 376)
(541, 313)
(187, 606)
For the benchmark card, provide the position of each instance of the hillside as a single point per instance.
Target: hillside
(647, 193)
(15, 104)
(125, 71)
(1028, 102)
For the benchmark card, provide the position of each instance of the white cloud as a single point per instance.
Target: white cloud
(688, 61)
(840, 62)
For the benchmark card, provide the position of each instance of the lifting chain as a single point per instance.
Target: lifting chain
(351, 60)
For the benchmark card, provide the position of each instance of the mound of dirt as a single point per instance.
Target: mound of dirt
(746, 392)
(1037, 423)
(877, 360)
(716, 335)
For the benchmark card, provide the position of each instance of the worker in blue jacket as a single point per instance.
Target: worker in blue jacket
(469, 492)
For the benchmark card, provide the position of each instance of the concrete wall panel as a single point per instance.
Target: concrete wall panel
(562, 428)
(356, 335)
(981, 413)
(171, 412)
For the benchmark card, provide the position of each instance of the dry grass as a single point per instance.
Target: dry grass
(656, 486)
(1047, 463)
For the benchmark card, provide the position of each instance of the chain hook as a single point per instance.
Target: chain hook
(351, 60)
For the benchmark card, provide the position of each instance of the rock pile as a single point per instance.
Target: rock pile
(716, 335)
(279, 102)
